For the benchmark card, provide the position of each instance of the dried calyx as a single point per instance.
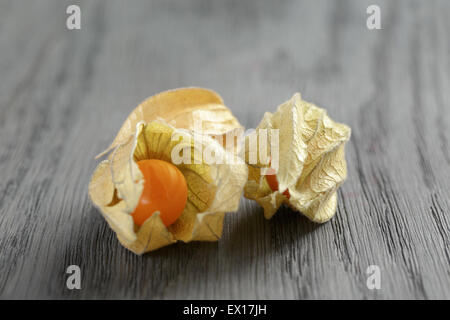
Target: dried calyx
(213, 189)
(312, 161)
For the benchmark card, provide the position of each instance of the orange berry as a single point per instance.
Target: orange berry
(165, 190)
(273, 184)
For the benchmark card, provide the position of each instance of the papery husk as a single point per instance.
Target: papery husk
(181, 108)
(213, 189)
(311, 161)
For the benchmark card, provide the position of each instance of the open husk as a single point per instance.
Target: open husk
(182, 108)
(311, 161)
(213, 188)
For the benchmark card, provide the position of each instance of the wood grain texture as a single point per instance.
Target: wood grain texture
(64, 95)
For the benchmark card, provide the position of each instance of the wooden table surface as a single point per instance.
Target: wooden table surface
(65, 93)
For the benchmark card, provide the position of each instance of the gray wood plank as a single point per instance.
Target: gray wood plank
(64, 94)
